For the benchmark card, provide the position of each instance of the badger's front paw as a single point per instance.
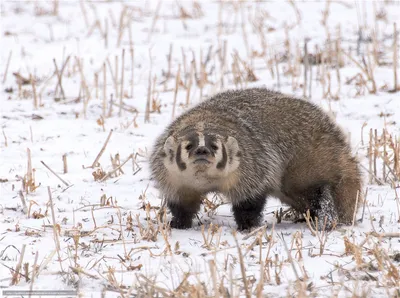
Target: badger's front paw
(246, 225)
(181, 223)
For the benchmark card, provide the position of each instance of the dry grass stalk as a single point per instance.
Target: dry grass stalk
(184, 64)
(29, 184)
(55, 174)
(6, 70)
(96, 84)
(244, 32)
(23, 201)
(116, 163)
(397, 198)
(116, 77)
(362, 133)
(370, 155)
(84, 12)
(112, 18)
(255, 231)
(278, 80)
(208, 239)
(121, 96)
(202, 80)
(242, 267)
(237, 79)
(5, 138)
(371, 71)
(96, 25)
(396, 157)
(116, 169)
(321, 234)
(178, 78)
(364, 204)
(384, 156)
(168, 74)
(96, 161)
(306, 66)
(59, 76)
(355, 209)
(35, 99)
(163, 230)
(297, 11)
(16, 276)
(104, 105)
(148, 103)
(78, 270)
(130, 35)
(366, 69)
(65, 164)
(34, 271)
(375, 151)
(222, 54)
(290, 258)
(337, 66)
(105, 34)
(122, 233)
(189, 84)
(132, 52)
(385, 235)
(122, 25)
(55, 228)
(155, 18)
(395, 59)
(84, 86)
(311, 81)
(213, 270)
(111, 72)
(126, 107)
(155, 101)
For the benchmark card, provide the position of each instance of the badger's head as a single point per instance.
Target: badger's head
(201, 158)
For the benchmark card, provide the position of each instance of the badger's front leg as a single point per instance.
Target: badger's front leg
(183, 209)
(248, 212)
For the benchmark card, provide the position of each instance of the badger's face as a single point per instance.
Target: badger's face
(201, 158)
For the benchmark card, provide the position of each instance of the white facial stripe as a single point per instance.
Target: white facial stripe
(202, 141)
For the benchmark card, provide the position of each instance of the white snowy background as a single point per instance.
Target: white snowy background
(107, 238)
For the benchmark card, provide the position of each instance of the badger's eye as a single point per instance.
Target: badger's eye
(189, 146)
(214, 147)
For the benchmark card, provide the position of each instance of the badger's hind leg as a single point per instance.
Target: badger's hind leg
(183, 210)
(248, 213)
(321, 202)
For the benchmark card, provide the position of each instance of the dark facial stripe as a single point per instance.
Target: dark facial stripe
(194, 141)
(209, 140)
(179, 162)
(222, 164)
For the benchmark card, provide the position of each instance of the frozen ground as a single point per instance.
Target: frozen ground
(109, 239)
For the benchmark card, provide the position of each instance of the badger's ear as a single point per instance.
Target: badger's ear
(169, 144)
(232, 146)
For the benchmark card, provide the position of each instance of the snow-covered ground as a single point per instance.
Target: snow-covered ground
(107, 237)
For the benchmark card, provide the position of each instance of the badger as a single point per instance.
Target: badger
(250, 144)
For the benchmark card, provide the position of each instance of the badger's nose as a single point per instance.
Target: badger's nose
(202, 151)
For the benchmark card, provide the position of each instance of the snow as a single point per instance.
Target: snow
(35, 38)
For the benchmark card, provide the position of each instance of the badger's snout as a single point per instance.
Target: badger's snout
(202, 151)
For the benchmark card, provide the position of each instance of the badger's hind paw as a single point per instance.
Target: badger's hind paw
(327, 222)
(324, 208)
